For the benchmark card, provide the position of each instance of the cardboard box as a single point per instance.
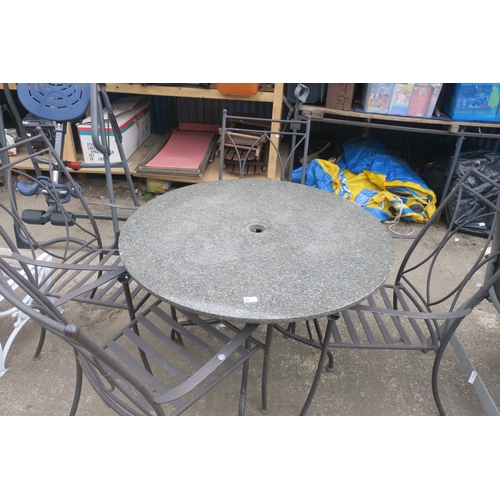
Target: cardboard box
(134, 120)
(339, 96)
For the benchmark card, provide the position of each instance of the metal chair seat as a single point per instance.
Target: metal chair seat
(140, 370)
(182, 374)
(426, 303)
(60, 102)
(376, 324)
(92, 276)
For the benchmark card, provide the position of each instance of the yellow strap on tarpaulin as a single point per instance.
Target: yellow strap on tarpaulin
(398, 198)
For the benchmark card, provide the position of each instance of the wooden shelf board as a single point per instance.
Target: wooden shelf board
(445, 121)
(265, 94)
(172, 91)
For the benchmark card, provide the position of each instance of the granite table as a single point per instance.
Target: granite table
(256, 251)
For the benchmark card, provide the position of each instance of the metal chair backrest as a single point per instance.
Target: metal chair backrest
(49, 212)
(55, 184)
(246, 142)
(59, 198)
(429, 268)
(75, 235)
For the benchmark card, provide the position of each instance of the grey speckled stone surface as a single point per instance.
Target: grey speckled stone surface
(316, 253)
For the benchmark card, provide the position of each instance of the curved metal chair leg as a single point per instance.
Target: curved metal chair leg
(39, 347)
(175, 336)
(78, 387)
(321, 364)
(123, 279)
(244, 383)
(265, 368)
(435, 371)
(329, 367)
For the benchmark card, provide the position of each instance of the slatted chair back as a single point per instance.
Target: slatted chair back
(49, 317)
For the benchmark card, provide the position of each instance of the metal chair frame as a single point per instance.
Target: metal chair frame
(99, 106)
(172, 379)
(297, 131)
(84, 267)
(408, 315)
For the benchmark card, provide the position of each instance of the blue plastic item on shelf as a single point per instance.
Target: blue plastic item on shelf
(473, 102)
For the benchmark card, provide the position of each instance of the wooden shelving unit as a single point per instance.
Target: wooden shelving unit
(269, 94)
(273, 95)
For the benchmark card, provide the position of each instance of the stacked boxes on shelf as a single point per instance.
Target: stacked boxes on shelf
(473, 102)
(403, 99)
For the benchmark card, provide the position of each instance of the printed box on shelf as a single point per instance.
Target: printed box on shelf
(414, 99)
(400, 100)
(377, 97)
(473, 102)
(423, 99)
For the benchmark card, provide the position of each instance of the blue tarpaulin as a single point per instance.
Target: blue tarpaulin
(385, 186)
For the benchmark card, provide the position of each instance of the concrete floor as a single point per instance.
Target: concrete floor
(363, 383)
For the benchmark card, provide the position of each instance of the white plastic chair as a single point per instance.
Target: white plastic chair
(20, 319)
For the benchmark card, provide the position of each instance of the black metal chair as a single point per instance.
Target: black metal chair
(246, 142)
(140, 370)
(85, 266)
(427, 302)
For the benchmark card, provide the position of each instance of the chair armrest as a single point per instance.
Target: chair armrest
(208, 368)
(71, 267)
(459, 313)
(113, 205)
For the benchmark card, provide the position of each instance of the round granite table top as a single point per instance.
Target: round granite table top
(258, 251)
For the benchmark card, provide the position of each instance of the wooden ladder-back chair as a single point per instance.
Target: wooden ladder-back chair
(422, 309)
